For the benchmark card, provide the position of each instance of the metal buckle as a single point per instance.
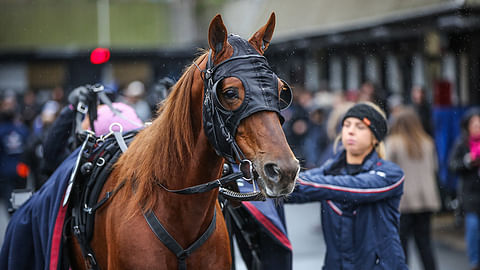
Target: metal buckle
(97, 88)
(208, 75)
(90, 134)
(91, 259)
(116, 124)
(246, 168)
(104, 137)
(100, 162)
(82, 108)
(76, 230)
(87, 209)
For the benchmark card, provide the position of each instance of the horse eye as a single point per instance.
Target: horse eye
(231, 93)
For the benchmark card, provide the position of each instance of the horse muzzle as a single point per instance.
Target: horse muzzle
(277, 178)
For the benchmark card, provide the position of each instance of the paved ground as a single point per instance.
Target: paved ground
(303, 223)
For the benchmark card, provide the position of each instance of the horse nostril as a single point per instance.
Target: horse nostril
(272, 171)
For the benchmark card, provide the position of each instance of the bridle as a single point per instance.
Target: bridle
(220, 124)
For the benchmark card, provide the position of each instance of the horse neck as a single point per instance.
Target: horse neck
(203, 164)
(175, 152)
(194, 212)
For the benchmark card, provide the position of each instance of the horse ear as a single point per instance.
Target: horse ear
(217, 34)
(261, 39)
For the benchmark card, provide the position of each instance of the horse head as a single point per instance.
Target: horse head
(243, 98)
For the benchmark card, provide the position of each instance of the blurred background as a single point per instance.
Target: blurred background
(331, 52)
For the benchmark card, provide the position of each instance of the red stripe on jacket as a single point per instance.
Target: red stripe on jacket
(351, 190)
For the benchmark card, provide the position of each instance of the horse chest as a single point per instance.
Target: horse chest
(141, 249)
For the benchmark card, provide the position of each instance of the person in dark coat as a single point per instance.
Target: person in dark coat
(360, 194)
(423, 108)
(13, 139)
(316, 140)
(465, 161)
(58, 143)
(33, 155)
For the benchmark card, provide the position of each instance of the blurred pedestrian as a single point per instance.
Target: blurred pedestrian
(13, 138)
(301, 101)
(409, 146)
(360, 194)
(297, 123)
(395, 105)
(371, 92)
(296, 133)
(159, 92)
(33, 155)
(46, 117)
(133, 95)
(29, 108)
(58, 95)
(421, 106)
(465, 161)
(316, 139)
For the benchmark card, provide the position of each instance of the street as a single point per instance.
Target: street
(303, 224)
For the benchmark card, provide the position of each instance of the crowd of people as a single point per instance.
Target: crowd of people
(312, 125)
(315, 119)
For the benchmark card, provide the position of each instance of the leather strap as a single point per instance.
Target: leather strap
(121, 142)
(103, 97)
(207, 186)
(167, 239)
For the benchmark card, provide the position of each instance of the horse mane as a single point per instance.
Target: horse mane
(160, 150)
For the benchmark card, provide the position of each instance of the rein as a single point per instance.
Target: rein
(244, 173)
(205, 187)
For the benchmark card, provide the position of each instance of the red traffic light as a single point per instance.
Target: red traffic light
(99, 56)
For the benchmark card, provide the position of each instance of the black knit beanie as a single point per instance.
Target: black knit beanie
(371, 117)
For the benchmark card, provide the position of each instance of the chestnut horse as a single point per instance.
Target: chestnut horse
(174, 152)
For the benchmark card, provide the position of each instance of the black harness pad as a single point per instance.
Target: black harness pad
(86, 192)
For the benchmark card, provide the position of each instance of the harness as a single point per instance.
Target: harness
(94, 164)
(96, 158)
(220, 125)
(173, 245)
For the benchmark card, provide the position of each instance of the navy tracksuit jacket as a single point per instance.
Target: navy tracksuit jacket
(360, 216)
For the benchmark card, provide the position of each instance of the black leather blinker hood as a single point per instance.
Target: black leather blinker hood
(261, 94)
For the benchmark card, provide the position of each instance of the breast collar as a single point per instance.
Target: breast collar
(261, 94)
